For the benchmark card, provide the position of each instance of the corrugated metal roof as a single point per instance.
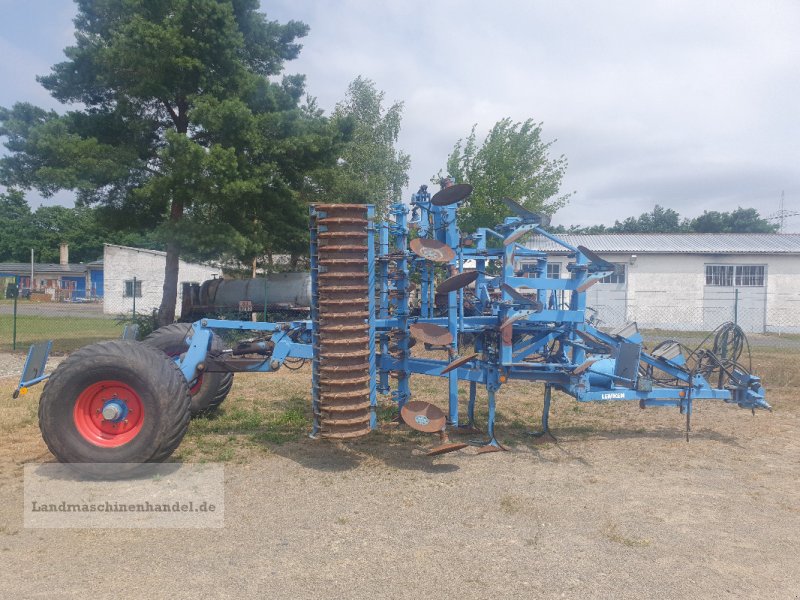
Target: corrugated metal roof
(25, 268)
(675, 243)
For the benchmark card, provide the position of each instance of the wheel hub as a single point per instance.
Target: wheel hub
(114, 410)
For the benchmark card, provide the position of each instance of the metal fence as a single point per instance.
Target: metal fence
(73, 322)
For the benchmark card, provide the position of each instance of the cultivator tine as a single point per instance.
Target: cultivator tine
(458, 363)
(526, 215)
(595, 259)
(456, 282)
(445, 446)
(520, 299)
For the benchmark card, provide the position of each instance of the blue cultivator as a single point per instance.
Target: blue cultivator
(378, 288)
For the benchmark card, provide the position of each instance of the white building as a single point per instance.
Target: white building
(691, 281)
(137, 275)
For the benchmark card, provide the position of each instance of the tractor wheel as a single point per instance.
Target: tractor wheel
(114, 402)
(209, 389)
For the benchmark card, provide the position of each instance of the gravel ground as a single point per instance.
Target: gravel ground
(11, 365)
(625, 514)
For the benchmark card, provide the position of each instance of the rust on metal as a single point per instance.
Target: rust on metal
(446, 447)
(586, 285)
(423, 416)
(432, 334)
(456, 282)
(432, 250)
(457, 363)
(342, 340)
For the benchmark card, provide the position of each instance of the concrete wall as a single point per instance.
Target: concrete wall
(668, 291)
(121, 263)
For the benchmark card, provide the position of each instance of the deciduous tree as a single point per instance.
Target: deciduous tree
(513, 161)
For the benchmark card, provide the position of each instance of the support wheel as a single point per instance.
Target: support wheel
(114, 402)
(209, 389)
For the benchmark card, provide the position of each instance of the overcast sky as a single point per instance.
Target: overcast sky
(694, 105)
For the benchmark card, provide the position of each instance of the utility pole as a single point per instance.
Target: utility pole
(782, 214)
(32, 286)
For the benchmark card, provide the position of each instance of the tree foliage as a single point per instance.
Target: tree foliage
(370, 169)
(46, 228)
(513, 161)
(667, 220)
(180, 126)
(741, 220)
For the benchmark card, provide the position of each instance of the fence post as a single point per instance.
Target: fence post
(266, 284)
(736, 306)
(134, 297)
(14, 323)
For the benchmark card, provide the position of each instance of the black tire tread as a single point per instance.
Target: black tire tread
(207, 400)
(175, 413)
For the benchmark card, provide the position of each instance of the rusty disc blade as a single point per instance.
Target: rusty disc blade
(456, 282)
(431, 334)
(451, 195)
(457, 363)
(433, 250)
(445, 448)
(423, 416)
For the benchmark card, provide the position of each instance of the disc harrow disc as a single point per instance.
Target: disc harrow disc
(423, 416)
(432, 250)
(431, 334)
(451, 195)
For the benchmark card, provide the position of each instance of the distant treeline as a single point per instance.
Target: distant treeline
(666, 220)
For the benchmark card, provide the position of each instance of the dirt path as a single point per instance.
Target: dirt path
(621, 514)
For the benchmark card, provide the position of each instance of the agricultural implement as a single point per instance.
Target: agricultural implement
(480, 303)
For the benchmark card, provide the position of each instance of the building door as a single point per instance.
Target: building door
(77, 285)
(97, 283)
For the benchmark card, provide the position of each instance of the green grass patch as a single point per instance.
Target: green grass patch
(68, 333)
(218, 436)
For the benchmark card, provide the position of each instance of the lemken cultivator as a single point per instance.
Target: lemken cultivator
(378, 288)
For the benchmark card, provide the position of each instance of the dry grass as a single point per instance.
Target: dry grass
(266, 411)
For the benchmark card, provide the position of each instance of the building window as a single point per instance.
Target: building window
(553, 270)
(735, 275)
(618, 276)
(132, 287)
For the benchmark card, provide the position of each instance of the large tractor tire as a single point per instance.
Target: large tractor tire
(209, 389)
(114, 402)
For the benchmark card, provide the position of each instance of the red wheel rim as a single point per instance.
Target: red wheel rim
(89, 419)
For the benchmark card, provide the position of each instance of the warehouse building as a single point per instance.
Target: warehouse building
(692, 281)
(62, 282)
(124, 279)
(136, 276)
